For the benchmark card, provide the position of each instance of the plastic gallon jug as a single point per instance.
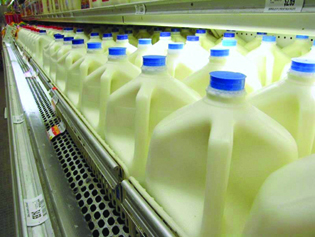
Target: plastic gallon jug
(144, 48)
(143, 33)
(132, 40)
(136, 108)
(269, 59)
(65, 48)
(239, 40)
(48, 52)
(231, 36)
(67, 60)
(156, 35)
(176, 36)
(299, 47)
(107, 42)
(99, 85)
(193, 58)
(94, 37)
(174, 56)
(81, 69)
(310, 54)
(185, 32)
(207, 161)
(122, 41)
(81, 35)
(285, 204)
(291, 102)
(115, 32)
(68, 32)
(42, 41)
(256, 42)
(32, 42)
(205, 42)
(160, 48)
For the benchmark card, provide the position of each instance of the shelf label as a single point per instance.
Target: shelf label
(283, 5)
(140, 9)
(36, 211)
(56, 130)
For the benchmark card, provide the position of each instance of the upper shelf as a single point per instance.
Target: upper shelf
(243, 15)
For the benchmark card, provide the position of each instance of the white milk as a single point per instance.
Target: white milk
(144, 48)
(122, 41)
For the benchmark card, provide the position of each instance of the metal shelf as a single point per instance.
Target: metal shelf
(246, 15)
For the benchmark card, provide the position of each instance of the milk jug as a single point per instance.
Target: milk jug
(94, 37)
(176, 36)
(122, 41)
(284, 205)
(144, 48)
(310, 54)
(67, 60)
(115, 32)
(143, 33)
(48, 52)
(291, 102)
(160, 48)
(185, 32)
(132, 40)
(107, 42)
(193, 58)
(269, 59)
(68, 32)
(98, 86)
(65, 48)
(174, 56)
(231, 36)
(136, 108)
(299, 47)
(32, 42)
(207, 161)
(156, 35)
(81, 35)
(42, 41)
(239, 40)
(81, 69)
(205, 42)
(256, 42)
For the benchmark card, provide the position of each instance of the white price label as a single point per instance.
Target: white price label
(36, 211)
(284, 5)
(56, 130)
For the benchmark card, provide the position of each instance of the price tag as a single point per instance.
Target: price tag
(56, 130)
(283, 5)
(36, 211)
(140, 9)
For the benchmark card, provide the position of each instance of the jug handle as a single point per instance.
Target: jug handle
(269, 68)
(142, 126)
(217, 176)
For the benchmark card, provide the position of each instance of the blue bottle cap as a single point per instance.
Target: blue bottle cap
(261, 33)
(122, 37)
(117, 51)
(192, 38)
(175, 30)
(94, 45)
(303, 65)
(68, 38)
(165, 34)
(95, 34)
(229, 35)
(80, 30)
(107, 35)
(219, 52)
(115, 30)
(176, 46)
(229, 42)
(58, 36)
(42, 31)
(153, 60)
(145, 41)
(227, 81)
(77, 41)
(68, 28)
(301, 37)
(128, 31)
(200, 31)
(269, 38)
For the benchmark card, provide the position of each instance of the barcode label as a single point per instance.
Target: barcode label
(284, 5)
(36, 211)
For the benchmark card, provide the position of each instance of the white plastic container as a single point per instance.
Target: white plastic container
(256, 42)
(65, 48)
(310, 54)
(97, 87)
(269, 59)
(49, 51)
(94, 37)
(135, 109)
(156, 35)
(107, 42)
(68, 32)
(160, 48)
(174, 56)
(207, 161)
(143, 33)
(231, 36)
(64, 63)
(144, 48)
(80, 70)
(176, 36)
(291, 102)
(132, 40)
(285, 204)
(122, 41)
(205, 42)
(239, 40)
(42, 41)
(299, 47)
(81, 35)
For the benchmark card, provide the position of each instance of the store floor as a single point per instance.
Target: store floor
(6, 197)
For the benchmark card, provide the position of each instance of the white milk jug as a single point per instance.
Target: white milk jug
(122, 41)
(256, 42)
(50, 50)
(144, 48)
(160, 47)
(299, 47)
(174, 56)
(205, 42)
(156, 35)
(107, 42)
(176, 36)
(81, 35)
(94, 37)
(132, 40)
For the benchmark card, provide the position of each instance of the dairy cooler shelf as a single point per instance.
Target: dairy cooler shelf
(227, 14)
